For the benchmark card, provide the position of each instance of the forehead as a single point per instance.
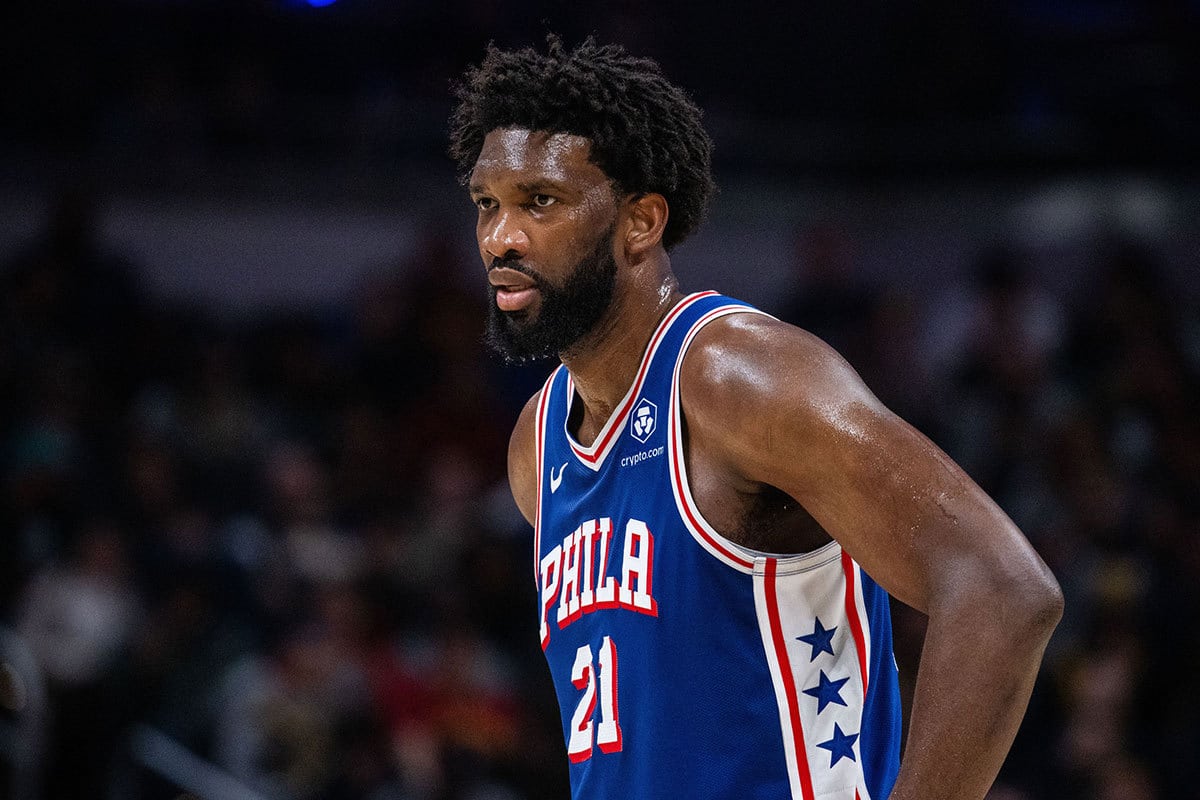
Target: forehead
(520, 154)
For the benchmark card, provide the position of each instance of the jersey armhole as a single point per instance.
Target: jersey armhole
(543, 413)
(732, 554)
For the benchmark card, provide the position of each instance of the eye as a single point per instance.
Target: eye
(484, 203)
(544, 200)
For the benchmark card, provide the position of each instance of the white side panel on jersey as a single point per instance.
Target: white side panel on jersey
(812, 632)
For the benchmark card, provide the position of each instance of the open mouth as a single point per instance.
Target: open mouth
(514, 290)
(514, 299)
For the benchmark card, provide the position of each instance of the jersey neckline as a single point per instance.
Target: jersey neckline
(593, 456)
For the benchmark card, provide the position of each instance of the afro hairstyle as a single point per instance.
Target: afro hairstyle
(645, 132)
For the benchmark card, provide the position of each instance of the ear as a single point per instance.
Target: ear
(646, 218)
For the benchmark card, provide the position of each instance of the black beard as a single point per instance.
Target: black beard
(567, 313)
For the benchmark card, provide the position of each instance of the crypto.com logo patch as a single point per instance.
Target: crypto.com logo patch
(642, 422)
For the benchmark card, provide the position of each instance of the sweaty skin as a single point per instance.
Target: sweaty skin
(785, 448)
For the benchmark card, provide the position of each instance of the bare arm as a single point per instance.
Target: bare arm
(773, 405)
(522, 460)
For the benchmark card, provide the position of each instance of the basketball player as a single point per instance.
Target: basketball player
(720, 506)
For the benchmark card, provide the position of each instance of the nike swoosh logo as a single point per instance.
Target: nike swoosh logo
(556, 480)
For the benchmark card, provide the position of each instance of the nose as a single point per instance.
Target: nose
(503, 236)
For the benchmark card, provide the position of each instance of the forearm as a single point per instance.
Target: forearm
(978, 666)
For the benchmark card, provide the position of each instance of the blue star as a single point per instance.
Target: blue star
(827, 692)
(820, 639)
(840, 746)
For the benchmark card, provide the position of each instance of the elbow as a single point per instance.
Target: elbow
(1054, 603)
(1024, 606)
(1046, 603)
(1034, 603)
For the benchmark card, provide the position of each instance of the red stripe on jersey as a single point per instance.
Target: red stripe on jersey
(789, 680)
(848, 567)
(599, 449)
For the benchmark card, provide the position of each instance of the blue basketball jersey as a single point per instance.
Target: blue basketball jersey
(687, 666)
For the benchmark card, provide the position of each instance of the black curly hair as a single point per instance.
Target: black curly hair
(645, 132)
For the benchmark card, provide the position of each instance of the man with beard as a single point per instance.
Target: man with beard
(720, 506)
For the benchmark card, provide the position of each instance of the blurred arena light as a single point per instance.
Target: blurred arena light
(306, 5)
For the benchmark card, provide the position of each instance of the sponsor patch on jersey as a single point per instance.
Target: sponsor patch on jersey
(643, 420)
(645, 455)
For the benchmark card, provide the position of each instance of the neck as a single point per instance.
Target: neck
(604, 363)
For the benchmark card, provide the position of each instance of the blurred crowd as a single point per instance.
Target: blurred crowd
(282, 543)
(280, 549)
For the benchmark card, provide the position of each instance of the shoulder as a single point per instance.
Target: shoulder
(753, 360)
(753, 387)
(523, 457)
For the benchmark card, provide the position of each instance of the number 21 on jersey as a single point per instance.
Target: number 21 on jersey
(606, 734)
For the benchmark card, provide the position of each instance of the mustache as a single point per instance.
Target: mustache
(514, 263)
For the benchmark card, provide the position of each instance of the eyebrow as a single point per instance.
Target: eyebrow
(531, 187)
(536, 186)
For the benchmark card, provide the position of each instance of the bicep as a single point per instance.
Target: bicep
(899, 505)
(794, 415)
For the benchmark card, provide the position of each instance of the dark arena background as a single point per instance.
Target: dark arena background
(257, 541)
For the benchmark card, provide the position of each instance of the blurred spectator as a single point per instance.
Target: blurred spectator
(279, 716)
(78, 619)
